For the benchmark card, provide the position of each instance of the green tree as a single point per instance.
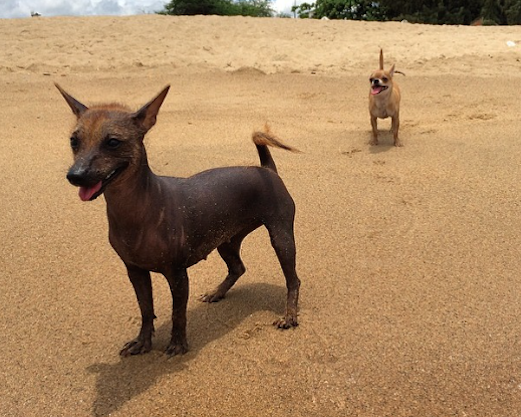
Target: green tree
(258, 8)
(513, 12)
(434, 11)
(342, 9)
(419, 11)
(491, 12)
(304, 10)
(502, 12)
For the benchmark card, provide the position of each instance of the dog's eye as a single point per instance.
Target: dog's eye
(371, 79)
(75, 143)
(385, 79)
(112, 143)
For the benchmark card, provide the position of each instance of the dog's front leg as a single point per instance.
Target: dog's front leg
(396, 127)
(178, 282)
(142, 284)
(374, 136)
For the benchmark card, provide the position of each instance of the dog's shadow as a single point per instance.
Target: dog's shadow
(120, 382)
(385, 141)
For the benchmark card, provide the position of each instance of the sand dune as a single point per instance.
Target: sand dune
(409, 258)
(200, 44)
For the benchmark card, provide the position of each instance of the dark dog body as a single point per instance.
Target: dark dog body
(184, 230)
(166, 224)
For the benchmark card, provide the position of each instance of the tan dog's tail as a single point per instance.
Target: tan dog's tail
(264, 139)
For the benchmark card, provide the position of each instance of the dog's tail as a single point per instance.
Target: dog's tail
(264, 139)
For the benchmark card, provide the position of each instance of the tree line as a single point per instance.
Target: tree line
(453, 12)
(256, 8)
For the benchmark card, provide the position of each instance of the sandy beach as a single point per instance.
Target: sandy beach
(409, 257)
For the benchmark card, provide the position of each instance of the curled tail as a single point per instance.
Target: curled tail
(264, 139)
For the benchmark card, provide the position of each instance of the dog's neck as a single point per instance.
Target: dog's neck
(132, 196)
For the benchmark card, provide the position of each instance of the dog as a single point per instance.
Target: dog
(167, 224)
(384, 100)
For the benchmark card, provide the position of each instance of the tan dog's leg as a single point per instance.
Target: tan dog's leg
(396, 127)
(374, 124)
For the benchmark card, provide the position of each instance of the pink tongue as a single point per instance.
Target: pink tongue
(376, 90)
(86, 193)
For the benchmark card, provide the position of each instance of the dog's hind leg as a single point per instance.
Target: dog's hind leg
(283, 241)
(230, 252)
(142, 284)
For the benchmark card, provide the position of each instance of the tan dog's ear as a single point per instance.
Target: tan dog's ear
(381, 59)
(77, 108)
(146, 115)
(391, 71)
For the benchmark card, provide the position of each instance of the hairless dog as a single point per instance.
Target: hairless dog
(167, 224)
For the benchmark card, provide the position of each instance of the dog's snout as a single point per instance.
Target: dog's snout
(77, 176)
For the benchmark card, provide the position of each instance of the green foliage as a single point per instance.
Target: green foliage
(304, 10)
(451, 12)
(513, 12)
(503, 12)
(491, 12)
(342, 9)
(257, 8)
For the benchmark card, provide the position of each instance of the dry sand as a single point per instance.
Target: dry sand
(409, 258)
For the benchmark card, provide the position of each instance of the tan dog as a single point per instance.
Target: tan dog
(384, 100)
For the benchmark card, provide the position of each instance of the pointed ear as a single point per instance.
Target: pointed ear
(381, 59)
(391, 71)
(77, 108)
(146, 115)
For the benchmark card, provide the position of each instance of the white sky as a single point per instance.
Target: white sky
(23, 8)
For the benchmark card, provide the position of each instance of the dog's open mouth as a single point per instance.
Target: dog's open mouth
(377, 89)
(89, 193)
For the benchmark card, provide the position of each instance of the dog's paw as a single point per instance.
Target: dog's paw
(211, 297)
(138, 346)
(286, 322)
(398, 143)
(373, 142)
(177, 348)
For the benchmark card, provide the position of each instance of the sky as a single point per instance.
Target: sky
(23, 8)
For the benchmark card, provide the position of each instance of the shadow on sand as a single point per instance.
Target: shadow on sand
(120, 382)
(385, 139)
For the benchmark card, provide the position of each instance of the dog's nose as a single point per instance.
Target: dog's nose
(77, 176)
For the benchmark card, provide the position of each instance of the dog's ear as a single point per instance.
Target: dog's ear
(77, 108)
(391, 71)
(146, 115)
(381, 59)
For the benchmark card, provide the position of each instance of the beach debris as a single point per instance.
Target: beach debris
(511, 44)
